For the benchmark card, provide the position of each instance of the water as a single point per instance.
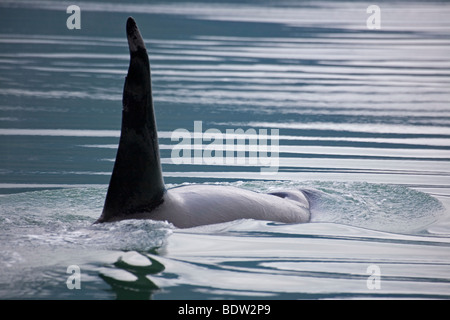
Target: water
(363, 119)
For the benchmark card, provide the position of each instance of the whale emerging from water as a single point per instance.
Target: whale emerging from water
(136, 189)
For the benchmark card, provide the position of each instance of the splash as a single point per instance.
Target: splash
(391, 208)
(64, 218)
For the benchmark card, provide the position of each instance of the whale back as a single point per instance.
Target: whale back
(136, 183)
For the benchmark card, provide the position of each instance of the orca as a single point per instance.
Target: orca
(136, 189)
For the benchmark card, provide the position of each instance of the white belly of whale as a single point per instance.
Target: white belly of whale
(196, 205)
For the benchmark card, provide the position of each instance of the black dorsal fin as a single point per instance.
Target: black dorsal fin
(136, 183)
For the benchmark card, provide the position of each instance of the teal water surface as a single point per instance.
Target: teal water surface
(363, 120)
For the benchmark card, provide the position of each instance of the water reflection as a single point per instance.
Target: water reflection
(131, 280)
